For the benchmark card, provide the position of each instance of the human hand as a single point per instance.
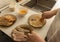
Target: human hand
(48, 14)
(33, 37)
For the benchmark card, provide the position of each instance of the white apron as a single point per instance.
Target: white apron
(53, 34)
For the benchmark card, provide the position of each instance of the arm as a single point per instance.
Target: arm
(54, 11)
(49, 14)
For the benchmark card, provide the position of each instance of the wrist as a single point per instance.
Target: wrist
(54, 12)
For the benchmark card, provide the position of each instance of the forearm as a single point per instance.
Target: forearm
(54, 12)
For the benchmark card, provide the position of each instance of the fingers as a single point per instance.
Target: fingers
(44, 15)
(32, 35)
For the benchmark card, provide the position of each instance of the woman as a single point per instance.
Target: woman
(53, 34)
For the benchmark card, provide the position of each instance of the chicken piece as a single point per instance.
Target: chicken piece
(10, 17)
(18, 36)
(1, 21)
(7, 20)
(20, 33)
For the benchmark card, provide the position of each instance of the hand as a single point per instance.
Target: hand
(48, 14)
(33, 37)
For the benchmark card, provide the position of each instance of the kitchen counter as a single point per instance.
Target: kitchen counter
(42, 32)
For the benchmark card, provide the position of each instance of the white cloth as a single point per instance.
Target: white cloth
(3, 3)
(53, 34)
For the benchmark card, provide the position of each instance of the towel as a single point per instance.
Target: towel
(4, 3)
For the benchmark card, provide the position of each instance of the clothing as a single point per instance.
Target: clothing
(53, 34)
